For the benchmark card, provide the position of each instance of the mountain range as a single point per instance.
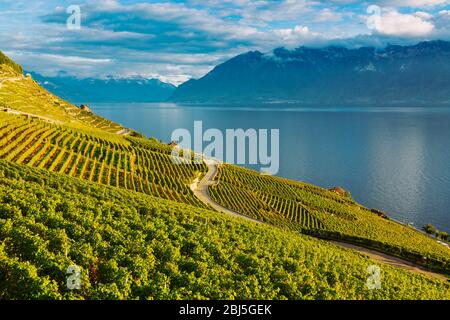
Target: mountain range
(396, 75)
(106, 90)
(399, 75)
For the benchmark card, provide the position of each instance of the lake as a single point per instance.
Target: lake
(393, 159)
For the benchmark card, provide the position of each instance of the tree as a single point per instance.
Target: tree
(430, 229)
(443, 236)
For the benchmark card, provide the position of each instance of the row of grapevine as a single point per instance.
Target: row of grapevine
(237, 199)
(264, 207)
(277, 199)
(316, 209)
(315, 199)
(80, 155)
(292, 211)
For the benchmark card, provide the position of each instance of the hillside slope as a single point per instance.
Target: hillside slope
(22, 94)
(8, 62)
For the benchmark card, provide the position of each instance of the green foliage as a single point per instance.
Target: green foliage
(432, 230)
(444, 236)
(319, 212)
(129, 245)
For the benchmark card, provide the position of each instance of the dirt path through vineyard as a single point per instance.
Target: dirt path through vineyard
(11, 79)
(200, 189)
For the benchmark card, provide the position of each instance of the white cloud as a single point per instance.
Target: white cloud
(177, 13)
(58, 59)
(327, 15)
(417, 3)
(394, 23)
(293, 34)
(424, 15)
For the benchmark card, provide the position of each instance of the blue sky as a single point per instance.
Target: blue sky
(176, 40)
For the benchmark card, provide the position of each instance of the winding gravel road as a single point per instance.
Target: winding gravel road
(200, 189)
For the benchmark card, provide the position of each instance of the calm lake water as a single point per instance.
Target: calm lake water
(393, 159)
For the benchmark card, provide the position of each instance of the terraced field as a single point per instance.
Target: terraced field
(23, 95)
(322, 213)
(105, 159)
(267, 208)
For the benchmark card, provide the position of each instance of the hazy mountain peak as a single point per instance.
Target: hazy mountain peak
(109, 89)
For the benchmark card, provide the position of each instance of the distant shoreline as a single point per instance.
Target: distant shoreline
(279, 106)
(406, 104)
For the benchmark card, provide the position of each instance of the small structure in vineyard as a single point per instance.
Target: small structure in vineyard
(339, 191)
(86, 108)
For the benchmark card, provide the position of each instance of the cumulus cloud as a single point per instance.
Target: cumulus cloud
(293, 37)
(394, 23)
